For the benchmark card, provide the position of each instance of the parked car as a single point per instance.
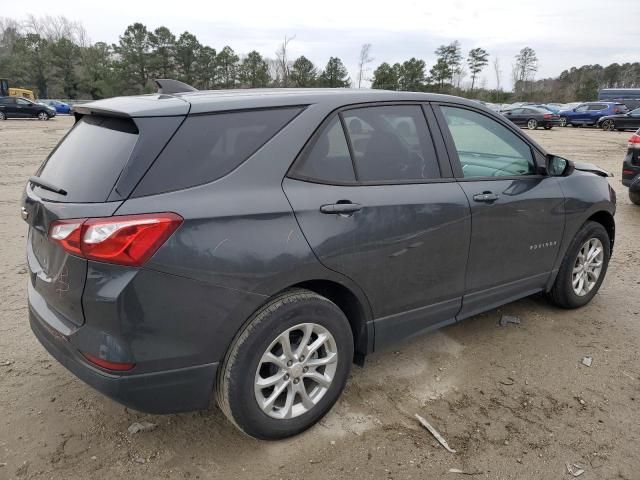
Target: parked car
(631, 168)
(16, 107)
(621, 121)
(532, 117)
(255, 243)
(60, 107)
(589, 113)
(549, 108)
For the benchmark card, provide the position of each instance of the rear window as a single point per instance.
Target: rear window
(207, 147)
(89, 160)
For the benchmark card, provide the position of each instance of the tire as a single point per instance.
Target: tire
(563, 121)
(562, 293)
(532, 124)
(43, 116)
(547, 127)
(237, 388)
(608, 125)
(3, 116)
(634, 197)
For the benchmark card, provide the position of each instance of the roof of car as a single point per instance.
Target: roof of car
(205, 101)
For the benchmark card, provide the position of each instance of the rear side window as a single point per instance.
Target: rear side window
(597, 106)
(207, 147)
(391, 143)
(328, 160)
(89, 160)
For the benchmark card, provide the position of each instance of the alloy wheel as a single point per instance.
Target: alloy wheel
(563, 121)
(587, 267)
(296, 371)
(532, 124)
(608, 125)
(43, 116)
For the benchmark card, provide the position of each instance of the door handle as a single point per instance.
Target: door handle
(485, 197)
(341, 208)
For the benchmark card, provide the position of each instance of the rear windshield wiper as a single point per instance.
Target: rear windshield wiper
(46, 185)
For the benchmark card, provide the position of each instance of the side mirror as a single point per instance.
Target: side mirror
(558, 166)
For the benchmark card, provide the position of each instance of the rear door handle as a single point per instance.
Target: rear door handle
(485, 197)
(341, 208)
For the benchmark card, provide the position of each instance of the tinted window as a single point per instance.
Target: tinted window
(22, 101)
(391, 143)
(89, 159)
(6, 101)
(207, 147)
(582, 108)
(329, 159)
(485, 147)
(599, 106)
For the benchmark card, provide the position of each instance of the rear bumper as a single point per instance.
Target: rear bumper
(178, 390)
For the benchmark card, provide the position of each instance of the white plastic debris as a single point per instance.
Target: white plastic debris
(574, 469)
(587, 361)
(507, 319)
(435, 433)
(141, 427)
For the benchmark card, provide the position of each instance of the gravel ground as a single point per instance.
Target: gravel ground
(514, 401)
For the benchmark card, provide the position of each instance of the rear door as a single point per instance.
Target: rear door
(10, 107)
(377, 206)
(596, 111)
(517, 213)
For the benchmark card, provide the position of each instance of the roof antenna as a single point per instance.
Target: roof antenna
(169, 86)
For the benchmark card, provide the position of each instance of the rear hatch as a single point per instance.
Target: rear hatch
(95, 167)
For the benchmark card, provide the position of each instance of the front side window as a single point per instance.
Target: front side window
(22, 101)
(328, 160)
(485, 147)
(391, 143)
(597, 107)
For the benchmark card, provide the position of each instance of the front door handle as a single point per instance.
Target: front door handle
(345, 208)
(485, 197)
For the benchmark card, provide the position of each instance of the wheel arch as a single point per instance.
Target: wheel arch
(605, 219)
(354, 308)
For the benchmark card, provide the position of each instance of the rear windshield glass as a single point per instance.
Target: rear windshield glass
(89, 160)
(207, 147)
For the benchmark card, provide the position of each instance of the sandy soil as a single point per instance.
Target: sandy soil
(515, 401)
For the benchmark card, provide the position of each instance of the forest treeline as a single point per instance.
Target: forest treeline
(54, 56)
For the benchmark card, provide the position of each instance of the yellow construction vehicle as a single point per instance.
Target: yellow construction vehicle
(5, 91)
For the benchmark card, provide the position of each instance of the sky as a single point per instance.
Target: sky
(563, 33)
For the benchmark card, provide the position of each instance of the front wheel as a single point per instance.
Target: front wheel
(287, 367)
(548, 127)
(3, 116)
(563, 121)
(43, 116)
(583, 268)
(532, 124)
(634, 196)
(608, 125)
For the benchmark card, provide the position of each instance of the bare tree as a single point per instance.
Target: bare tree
(498, 72)
(56, 28)
(363, 61)
(283, 63)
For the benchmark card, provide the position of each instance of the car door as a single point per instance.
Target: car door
(580, 114)
(630, 120)
(11, 107)
(378, 204)
(24, 108)
(517, 211)
(514, 115)
(596, 111)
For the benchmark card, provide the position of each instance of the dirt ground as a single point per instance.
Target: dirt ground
(515, 401)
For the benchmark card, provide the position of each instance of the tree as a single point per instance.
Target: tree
(385, 77)
(449, 59)
(283, 67)
(363, 61)
(35, 65)
(440, 72)
(205, 69)
(99, 77)
(133, 49)
(254, 71)
(64, 57)
(187, 50)
(335, 74)
(163, 50)
(497, 71)
(411, 75)
(227, 67)
(478, 58)
(303, 73)
(524, 69)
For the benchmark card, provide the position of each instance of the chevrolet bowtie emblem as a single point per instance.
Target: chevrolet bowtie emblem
(24, 214)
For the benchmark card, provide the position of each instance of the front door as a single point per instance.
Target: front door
(375, 207)
(517, 213)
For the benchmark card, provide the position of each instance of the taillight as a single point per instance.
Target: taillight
(124, 240)
(547, 115)
(106, 364)
(634, 141)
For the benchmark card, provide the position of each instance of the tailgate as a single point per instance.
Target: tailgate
(57, 278)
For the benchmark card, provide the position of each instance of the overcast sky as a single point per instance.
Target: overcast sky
(564, 33)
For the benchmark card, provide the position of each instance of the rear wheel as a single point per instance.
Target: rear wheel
(532, 124)
(287, 367)
(634, 196)
(583, 268)
(547, 127)
(43, 116)
(608, 125)
(3, 116)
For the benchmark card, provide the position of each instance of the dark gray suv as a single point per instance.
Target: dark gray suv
(251, 245)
